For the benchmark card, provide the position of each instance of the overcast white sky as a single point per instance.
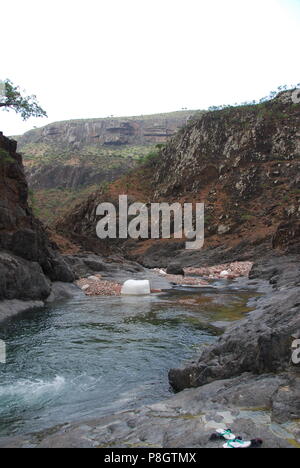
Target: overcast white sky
(95, 58)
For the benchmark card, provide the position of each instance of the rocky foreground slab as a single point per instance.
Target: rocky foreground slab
(188, 419)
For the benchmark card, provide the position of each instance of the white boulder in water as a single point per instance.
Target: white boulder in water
(136, 288)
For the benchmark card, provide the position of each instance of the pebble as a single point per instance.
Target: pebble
(96, 286)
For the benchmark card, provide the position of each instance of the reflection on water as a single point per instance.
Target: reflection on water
(90, 356)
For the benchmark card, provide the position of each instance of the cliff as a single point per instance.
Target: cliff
(28, 260)
(242, 162)
(75, 157)
(74, 135)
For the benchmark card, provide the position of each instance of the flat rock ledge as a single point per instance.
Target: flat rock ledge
(10, 308)
(262, 342)
(188, 419)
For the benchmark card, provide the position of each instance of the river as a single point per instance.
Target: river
(89, 356)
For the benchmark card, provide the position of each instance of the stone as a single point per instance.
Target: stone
(223, 229)
(286, 402)
(21, 279)
(62, 291)
(175, 269)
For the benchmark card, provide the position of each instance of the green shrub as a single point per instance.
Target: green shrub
(150, 159)
(5, 157)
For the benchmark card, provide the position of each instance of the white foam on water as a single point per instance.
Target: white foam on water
(30, 390)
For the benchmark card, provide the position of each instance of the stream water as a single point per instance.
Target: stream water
(85, 357)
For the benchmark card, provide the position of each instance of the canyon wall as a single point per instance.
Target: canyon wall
(28, 260)
(72, 158)
(109, 132)
(242, 162)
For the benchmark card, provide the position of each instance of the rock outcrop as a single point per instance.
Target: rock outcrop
(28, 260)
(75, 176)
(68, 160)
(262, 342)
(243, 163)
(80, 153)
(241, 151)
(76, 135)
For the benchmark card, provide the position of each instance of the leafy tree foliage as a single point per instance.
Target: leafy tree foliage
(12, 98)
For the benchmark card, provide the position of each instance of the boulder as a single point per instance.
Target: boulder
(21, 279)
(175, 269)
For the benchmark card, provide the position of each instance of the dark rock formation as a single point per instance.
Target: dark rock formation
(85, 264)
(234, 147)
(262, 342)
(20, 279)
(287, 237)
(28, 261)
(175, 269)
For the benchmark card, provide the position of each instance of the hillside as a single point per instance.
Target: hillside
(243, 162)
(67, 160)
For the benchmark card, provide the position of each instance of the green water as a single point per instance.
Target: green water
(90, 356)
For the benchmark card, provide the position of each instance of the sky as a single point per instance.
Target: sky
(96, 58)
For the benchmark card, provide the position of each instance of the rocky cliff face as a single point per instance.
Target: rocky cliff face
(240, 151)
(243, 163)
(109, 132)
(74, 176)
(28, 260)
(79, 155)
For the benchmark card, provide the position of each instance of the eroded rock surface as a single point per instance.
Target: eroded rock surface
(262, 342)
(184, 420)
(243, 163)
(28, 260)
